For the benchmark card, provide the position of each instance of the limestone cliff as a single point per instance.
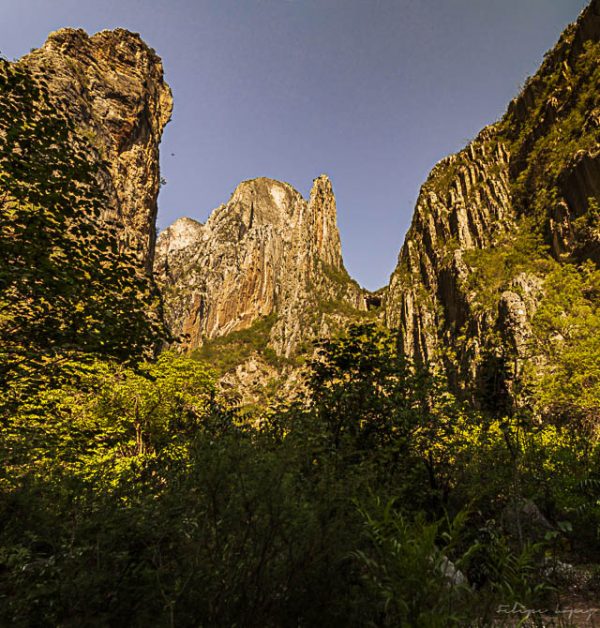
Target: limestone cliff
(81, 122)
(494, 220)
(267, 263)
(465, 204)
(111, 86)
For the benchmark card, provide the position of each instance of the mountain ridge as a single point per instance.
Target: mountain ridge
(270, 258)
(266, 257)
(271, 218)
(456, 294)
(496, 206)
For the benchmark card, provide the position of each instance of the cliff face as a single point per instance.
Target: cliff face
(264, 276)
(79, 132)
(493, 221)
(267, 261)
(465, 204)
(111, 86)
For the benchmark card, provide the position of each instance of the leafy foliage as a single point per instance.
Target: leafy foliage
(493, 269)
(138, 495)
(226, 352)
(567, 327)
(66, 285)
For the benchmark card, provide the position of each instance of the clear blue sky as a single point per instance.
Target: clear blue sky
(371, 92)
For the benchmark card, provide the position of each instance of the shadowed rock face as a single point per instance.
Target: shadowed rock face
(535, 171)
(111, 85)
(465, 204)
(267, 251)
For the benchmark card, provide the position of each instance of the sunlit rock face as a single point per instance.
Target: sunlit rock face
(111, 86)
(266, 252)
(468, 282)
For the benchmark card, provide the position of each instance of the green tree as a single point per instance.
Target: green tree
(567, 335)
(363, 389)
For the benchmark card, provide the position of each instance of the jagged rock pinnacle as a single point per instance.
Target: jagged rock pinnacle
(267, 251)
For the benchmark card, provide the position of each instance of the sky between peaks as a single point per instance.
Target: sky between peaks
(371, 92)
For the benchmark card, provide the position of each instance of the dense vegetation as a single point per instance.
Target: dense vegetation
(224, 353)
(67, 287)
(136, 497)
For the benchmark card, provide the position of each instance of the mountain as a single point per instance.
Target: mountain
(82, 119)
(111, 86)
(262, 277)
(497, 225)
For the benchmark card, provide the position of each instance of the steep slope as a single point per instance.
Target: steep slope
(267, 266)
(494, 223)
(111, 86)
(79, 133)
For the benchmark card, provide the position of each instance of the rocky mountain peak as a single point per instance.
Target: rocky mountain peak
(265, 254)
(324, 222)
(182, 233)
(260, 202)
(111, 86)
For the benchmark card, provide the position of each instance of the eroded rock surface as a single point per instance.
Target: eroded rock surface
(465, 204)
(491, 220)
(111, 85)
(267, 254)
